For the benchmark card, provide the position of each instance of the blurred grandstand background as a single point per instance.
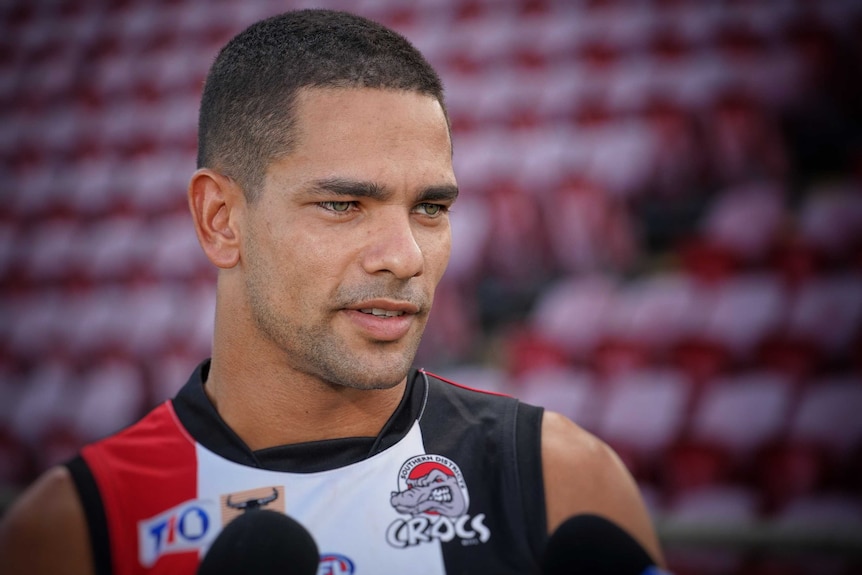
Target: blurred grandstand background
(659, 234)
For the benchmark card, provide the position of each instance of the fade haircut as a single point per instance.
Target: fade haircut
(247, 112)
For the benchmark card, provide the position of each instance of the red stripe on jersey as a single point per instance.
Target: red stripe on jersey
(462, 386)
(141, 472)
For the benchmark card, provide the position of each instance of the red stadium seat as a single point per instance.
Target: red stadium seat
(643, 413)
(572, 392)
(742, 413)
(828, 414)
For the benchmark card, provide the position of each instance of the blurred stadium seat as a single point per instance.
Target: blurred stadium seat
(660, 233)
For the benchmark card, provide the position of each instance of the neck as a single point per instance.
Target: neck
(282, 408)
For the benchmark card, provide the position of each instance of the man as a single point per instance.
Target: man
(322, 195)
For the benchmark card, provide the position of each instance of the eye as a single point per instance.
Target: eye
(431, 210)
(337, 206)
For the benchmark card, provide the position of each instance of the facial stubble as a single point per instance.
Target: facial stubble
(309, 342)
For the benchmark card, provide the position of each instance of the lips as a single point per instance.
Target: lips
(383, 320)
(376, 311)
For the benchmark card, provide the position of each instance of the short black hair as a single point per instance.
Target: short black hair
(246, 114)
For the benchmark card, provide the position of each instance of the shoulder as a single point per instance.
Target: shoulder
(472, 404)
(582, 474)
(156, 439)
(45, 530)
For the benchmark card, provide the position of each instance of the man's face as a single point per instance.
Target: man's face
(345, 245)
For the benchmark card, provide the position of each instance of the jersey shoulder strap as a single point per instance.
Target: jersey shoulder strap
(129, 477)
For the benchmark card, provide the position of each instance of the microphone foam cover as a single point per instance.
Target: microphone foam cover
(592, 545)
(262, 542)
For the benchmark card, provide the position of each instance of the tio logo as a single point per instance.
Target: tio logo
(186, 527)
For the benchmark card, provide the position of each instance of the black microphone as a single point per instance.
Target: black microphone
(262, 542)
(592, 545)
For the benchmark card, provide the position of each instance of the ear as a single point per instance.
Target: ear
(216, 202)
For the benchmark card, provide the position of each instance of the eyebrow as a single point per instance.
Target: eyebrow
(441, 193)
(356, 188)
(364, 189)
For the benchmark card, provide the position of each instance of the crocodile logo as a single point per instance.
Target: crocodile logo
(437, 491)
(433, 493)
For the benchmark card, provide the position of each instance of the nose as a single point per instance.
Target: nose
(392, 247)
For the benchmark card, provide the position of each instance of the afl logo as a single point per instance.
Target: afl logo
(432, 490)
(335, 564)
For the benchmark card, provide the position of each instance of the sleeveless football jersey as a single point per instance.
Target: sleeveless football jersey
(451, 485)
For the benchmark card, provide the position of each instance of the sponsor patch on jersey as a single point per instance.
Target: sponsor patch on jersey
(234, 504)
(190, 526)
(433, 495)
(335, 564)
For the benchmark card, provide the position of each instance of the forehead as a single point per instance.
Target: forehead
(326, 108)
(369, 133)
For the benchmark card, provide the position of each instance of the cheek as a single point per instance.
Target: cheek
(313, 263)
(437, 250)
(288, 259)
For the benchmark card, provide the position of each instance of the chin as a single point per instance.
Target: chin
(381, 378)
(384, 371)
(348, 361)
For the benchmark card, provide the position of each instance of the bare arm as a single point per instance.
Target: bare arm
(584, 475)
(45, 530)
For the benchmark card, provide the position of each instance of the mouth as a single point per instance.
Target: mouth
(383, 320)
(385, 307)
(378, 312)
(442, 495)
